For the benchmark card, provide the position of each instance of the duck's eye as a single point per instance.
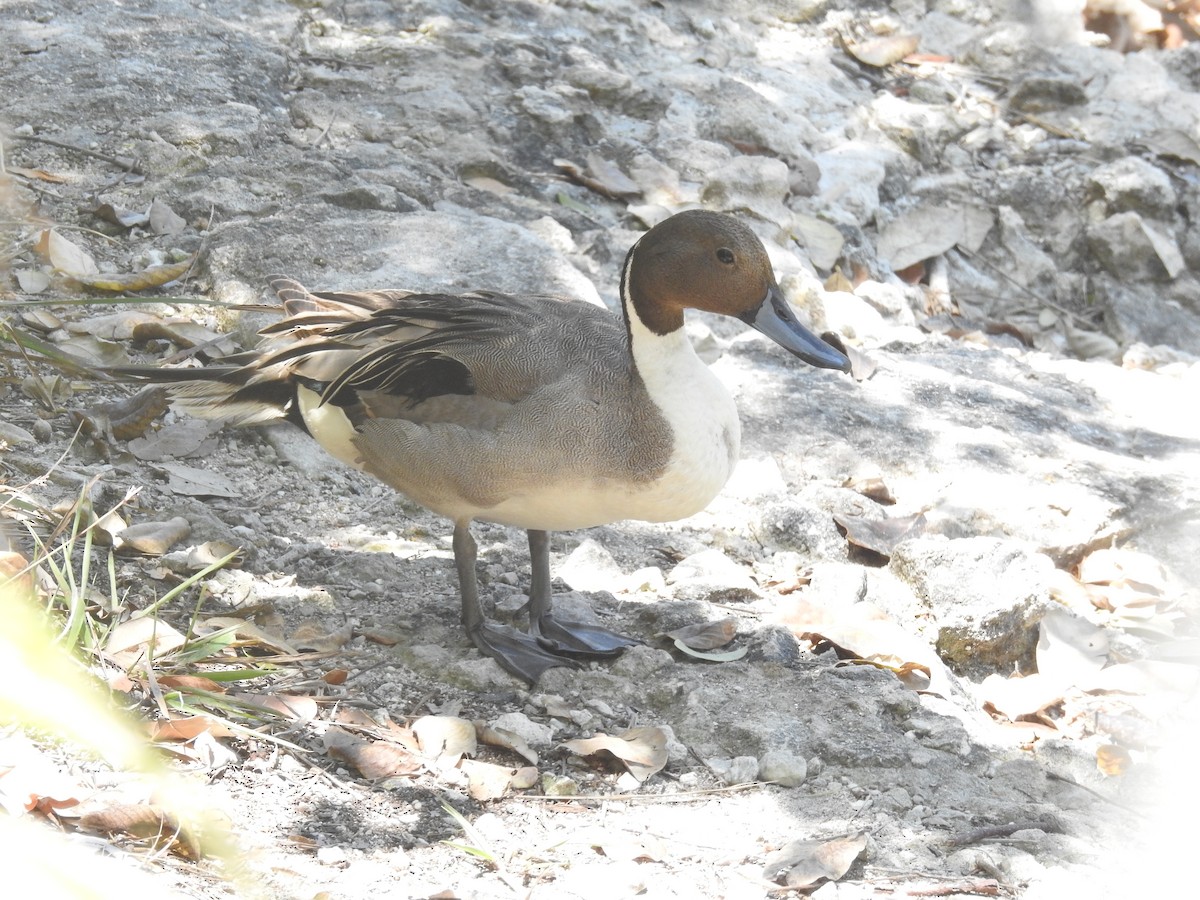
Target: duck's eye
(725, 255)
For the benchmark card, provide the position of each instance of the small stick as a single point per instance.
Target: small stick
(124, 162)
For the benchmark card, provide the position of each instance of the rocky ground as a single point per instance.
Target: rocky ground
(994, 210)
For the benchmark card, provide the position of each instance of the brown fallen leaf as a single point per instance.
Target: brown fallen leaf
(643, 751)
(864, 631)
(440, 736)
(143, 820)
(131, 282)
(152, 538)
(246, 634)
(808, 862)
(188, 728)
(191, 682)
(336, 676)
(505, 739)
(872, 487)
(373, 759)
(386, 636)
(706, 635)
(124, 218)
(36, 174)
(315, 635)
(880, 535)
(884, 51)
(129, 418)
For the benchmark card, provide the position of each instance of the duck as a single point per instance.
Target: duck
(531, 411)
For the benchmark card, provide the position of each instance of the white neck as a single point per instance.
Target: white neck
(702, 416)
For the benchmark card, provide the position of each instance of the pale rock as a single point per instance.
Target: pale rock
(988, 594)
(851, 316)
(641, 662)
(783, 768)
(535, 734)
(590, 567)
(738, 770)
(712, 576)
(756, 183)
(648, 579)
(756, 479)
(851, 174)
(1132, 184)
(891, 300)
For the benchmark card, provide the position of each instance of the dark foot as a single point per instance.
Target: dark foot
(518, 653)
(579, 640)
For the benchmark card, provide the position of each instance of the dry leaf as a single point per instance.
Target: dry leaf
(440, 736)
(710, 656)
(880, 535)
(336, 676)
(164, 220)
(36, 174)
(130, 641)
(386, 636)
(143, 820)
(1113, 760)
(191, 682)
(124, 218)
(486, 781)
(863, 630)
(643, 751)
(312, 635)
(247, 633)
(193, 482)
(66, 257)
(884, 51)
(130, 282)
(373, 759)
(873, 487)
(803, 863)
(184, 438)
(705, 635)
(501, 737)
(32, 281)
(152, 538)
(290, 706)
(186, 728)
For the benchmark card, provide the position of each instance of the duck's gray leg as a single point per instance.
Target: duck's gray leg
(521, 654)
(573, 638)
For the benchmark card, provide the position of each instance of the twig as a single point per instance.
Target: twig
(127, 163)
(1051, 826)
(682, 797)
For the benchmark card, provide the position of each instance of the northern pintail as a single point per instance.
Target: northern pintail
(525, 410)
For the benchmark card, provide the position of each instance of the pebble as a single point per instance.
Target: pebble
(738, 770)
(783, 767)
